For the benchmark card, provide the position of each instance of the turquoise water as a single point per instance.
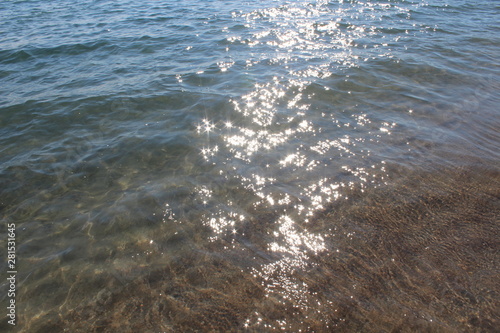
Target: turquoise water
(133, 135)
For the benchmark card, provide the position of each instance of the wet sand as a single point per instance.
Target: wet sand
(418, 255)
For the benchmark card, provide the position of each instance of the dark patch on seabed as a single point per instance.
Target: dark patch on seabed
(418, 255)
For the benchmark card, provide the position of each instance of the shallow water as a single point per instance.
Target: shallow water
(162, 162)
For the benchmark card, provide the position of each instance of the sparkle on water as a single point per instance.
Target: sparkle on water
(288, 129)
(282, 149)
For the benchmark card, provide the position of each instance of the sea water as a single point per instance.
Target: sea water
(136, 136)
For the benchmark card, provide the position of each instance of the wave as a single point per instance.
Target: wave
(30, 53)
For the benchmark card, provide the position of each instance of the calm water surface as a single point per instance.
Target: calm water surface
(165, 162)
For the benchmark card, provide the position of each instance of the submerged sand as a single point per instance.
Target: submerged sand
(420, 254)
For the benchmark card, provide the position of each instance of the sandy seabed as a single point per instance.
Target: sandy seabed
(418, 255)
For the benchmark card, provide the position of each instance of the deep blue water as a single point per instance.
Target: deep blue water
(126, 124)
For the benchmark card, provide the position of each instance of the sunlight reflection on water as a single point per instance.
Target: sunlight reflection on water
(292, 157)
(214, 138)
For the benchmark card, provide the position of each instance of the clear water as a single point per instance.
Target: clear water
(173, 154)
